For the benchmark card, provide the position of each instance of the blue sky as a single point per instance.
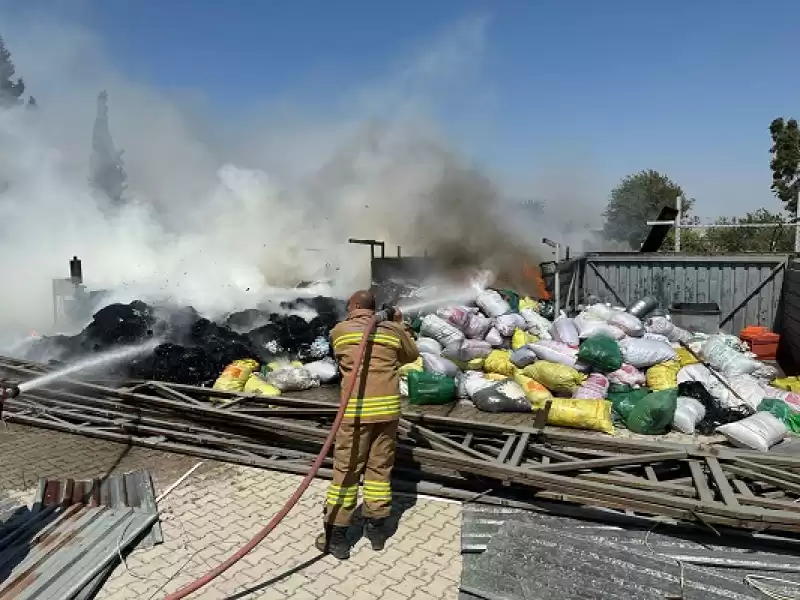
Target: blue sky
(592, 90)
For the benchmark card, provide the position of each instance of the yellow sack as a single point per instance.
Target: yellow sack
(555, 377)
(685, 357)
(663, 376)
(522, 338)
(405, 369)
(594, 415)
(534, 391)
(282, 364)
(790, 384)
(495, 377)
(257, 385)
(476, 364)
(235, 375)
(528, 302)
(499, 361)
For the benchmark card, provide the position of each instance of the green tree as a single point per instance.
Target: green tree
(637, 199)
(10, 90)
(779, 238)
(785, 163)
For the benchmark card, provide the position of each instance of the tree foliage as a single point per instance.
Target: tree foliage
(10, 90)
(637, 199)
(785, 163)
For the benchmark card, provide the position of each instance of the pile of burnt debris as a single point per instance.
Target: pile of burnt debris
(194, 349)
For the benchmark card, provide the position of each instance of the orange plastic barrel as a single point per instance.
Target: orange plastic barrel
(751, 332)
(765, 345)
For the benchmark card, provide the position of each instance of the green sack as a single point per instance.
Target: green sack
(416, 324)
(511, 297)
(780, 410)
(602, 353)
(653, 414)
(430, 388)
(624, 398)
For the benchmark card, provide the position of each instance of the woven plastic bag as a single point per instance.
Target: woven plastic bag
(663, 376)
(643, 353)
(555, 352)
(688, 413)
(467, 350)
(477, 327)
(325, 370)
(536, 323)
(502, 397)
(259, 386)
(492, 303)
(293, 379)
(412, 366)
(653, 414)
(589, 414)
(629, 323)
(595, 387)
(428, 345)
(784, 412)
(602, 353)
(749, 389)
(499, 361)
(760, 431)
(535, 392)
(439, 364)
(718, 353)
(455, 315)
(565, 331)
(554, 376)
(430, 388)
(507, 324)
(523, 357)
(685, 357)
(627, 375)
(235, 375)
(494, 338)
(623, 398)
(440, 330)
(522, 338)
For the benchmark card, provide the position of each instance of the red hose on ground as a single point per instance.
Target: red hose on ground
(259, 537)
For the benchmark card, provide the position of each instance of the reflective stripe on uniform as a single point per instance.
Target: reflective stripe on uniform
(343, 496)
(377, 491)
(379, 406)
(347, 339)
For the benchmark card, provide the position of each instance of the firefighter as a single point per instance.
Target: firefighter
(366, 441)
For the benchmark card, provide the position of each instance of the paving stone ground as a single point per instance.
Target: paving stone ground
(221, 506)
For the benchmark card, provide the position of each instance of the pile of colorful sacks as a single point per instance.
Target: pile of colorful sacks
(601, 368)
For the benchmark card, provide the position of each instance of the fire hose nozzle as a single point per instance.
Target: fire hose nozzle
(386, 313)
(9, 392)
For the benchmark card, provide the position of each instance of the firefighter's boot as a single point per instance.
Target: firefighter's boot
(333, 541)
(376, 532)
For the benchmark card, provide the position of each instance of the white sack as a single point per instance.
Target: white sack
(443, 332)
(600, 312)
(468, 350)
(494, 338)
(477, 327)
(565, 331)
(325, 370)
(474, 384)
(292, 379)
(537, 324)
(403, 387)
(590, 327)
(438, 364)
(455, 315)
(427, 345)
(657, 336)
(556, 352)
(643, 353)
(628, 323)
(719, 354)
(749, 388)
(595, 387)
(700, 373)
(627, 375)
(507, 324)
(688, 414)
(760, 431)
(492, 303)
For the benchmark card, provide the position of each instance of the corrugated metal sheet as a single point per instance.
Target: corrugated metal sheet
(730, 281)
(59, 561)
(67, 543)
(535, 556)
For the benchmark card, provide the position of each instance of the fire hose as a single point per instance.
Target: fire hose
(385, 314)
(7, 392)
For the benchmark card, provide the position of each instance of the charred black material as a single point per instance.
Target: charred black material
(716, 415)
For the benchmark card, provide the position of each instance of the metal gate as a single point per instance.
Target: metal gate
(746, 287)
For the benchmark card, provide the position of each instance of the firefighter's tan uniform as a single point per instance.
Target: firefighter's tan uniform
(366, 441)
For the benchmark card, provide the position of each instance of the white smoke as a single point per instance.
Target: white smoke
(219, 215)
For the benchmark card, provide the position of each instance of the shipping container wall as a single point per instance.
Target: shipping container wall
(789, 325)
(746, 287)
